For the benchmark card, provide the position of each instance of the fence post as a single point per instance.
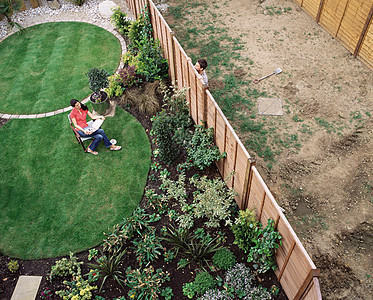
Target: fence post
(173, 65)
(363, 32)
(319, 11)
(247, 183)
(204, 105)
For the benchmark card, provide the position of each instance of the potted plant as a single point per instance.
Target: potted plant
(98, 80)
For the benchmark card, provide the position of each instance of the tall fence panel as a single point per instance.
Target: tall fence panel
(297, 273)
(349, 21)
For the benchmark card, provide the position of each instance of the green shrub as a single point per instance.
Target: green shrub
(66, 267)
(213, 200)
(201, 284)
(115, 87)
(263, 253)
(135, 30)
(246, 230)
(146, 284)
(121, 21)
(109, 266)
(216, 294)
(162, 128)
(13, 266)
(147, 247)
(201, 149)
(77, 289)
(191, 245)
(258, 293)
(224, 259)
(239, 279)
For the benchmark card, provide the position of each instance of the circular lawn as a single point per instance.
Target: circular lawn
(54, 197)
(45, 66)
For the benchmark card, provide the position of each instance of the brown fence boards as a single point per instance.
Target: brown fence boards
(347, 20)
(296, 271)
(353, 22)
(311, 7)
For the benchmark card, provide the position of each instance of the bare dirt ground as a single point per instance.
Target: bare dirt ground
(325, 186)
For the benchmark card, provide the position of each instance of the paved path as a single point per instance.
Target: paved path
(67, 16)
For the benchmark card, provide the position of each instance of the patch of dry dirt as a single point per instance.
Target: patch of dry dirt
(326, 186)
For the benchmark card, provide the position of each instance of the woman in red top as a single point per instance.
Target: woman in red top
(79, 118)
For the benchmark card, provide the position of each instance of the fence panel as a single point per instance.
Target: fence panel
(311, 7)
(230, 160)
(193, 92)
(313, 291)
(332, 14)
(353, 22)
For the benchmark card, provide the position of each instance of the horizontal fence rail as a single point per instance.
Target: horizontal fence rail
(296, 272)
(349, 21)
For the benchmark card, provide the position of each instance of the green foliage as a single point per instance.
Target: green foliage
(77, 289)
(128, 228)
(245, 229)
(216, 294)
(77, 2)
(258, 293)
(109, 266)
(13, 266)
(262, 254)
(92, 254)
(224, 259)
(66, 267)
(122, 80)
(163, 130)
(201, 284)
(98, 79)
(156, 202)
(145, 283)
(201, 149)
(135, 30)
(147, 247)
(191, 245)
(213, 200)
(239, 280)
(120, 21)
(7, 8)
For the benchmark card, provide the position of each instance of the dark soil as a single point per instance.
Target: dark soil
(111, 289)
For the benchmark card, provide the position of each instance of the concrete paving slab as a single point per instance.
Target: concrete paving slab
(270, 106)
(49, 114)
(26, 288)
(6, 116)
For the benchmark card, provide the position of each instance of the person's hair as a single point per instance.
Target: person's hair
(202, 63)
(74, 101)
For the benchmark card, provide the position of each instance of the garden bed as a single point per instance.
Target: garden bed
(178, 277)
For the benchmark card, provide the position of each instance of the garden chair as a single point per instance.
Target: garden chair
(77, 136)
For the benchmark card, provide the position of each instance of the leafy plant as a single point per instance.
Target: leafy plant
(98, 79)
(224, 259)
(157, 202)
(145, 283)
(7, 8)
(258, 293)
(201, 284)
(66, 267)
(201, 149)
(262, 254)
(245, 229)
(191, 246)
(77, 289)
(13, 266)
(147, 247)
(163, 130)
(216, 294)
(46, 294)
(239, 279)
(92, 253)
(121, 21)
(109, 266)
(213, 200)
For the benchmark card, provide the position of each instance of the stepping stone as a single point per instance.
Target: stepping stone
(270, 106)
(26, 288)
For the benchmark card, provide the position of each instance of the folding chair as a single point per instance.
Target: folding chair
(77, 136)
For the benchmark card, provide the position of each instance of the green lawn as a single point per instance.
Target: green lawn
(54, 197)
(45, 66)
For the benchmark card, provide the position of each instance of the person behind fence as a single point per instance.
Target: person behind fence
(200, 66)
(79, 118)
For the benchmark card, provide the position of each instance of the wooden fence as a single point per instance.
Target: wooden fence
(296, 271)
(349, 21)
